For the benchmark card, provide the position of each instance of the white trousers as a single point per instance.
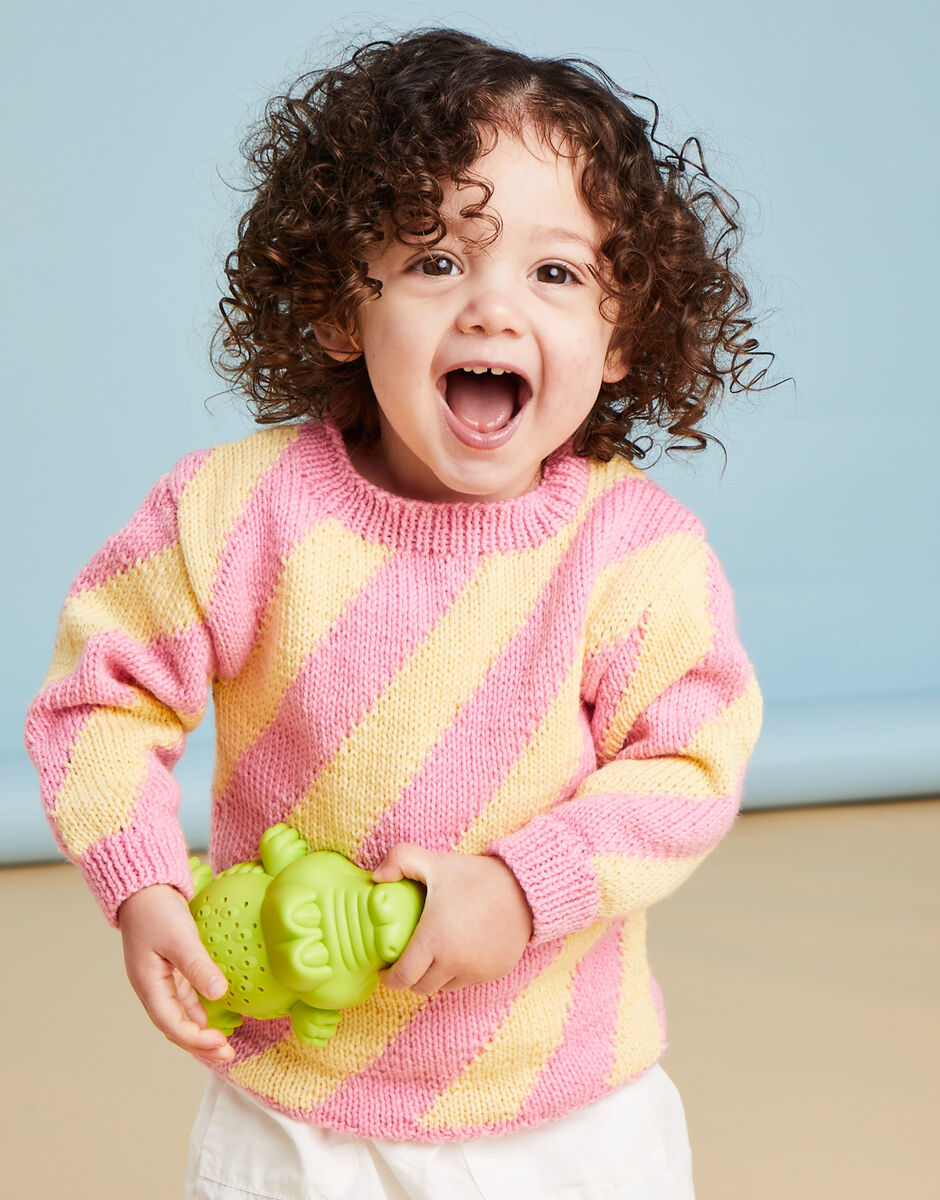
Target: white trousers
(630, 1145)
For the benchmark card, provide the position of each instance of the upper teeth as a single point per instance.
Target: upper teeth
(483, 370)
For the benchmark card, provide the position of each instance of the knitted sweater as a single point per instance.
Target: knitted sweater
(553, 679)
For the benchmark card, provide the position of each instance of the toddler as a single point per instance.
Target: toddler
(450, 629)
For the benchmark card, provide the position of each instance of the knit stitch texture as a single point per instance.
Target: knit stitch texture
(555, 679)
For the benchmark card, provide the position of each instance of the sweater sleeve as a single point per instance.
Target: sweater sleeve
(129, 678)
(675, 715)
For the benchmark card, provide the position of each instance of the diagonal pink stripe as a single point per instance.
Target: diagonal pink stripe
(475, 753)
(636, 513)
(152, 528)
(149, 849)
(607, 674)
(431, 1052)
(581, 1065)
(50, 737)
(674, 717)
(252, 1038)
(487, 736)
(651, 826)
(173, 669)
(274, 773)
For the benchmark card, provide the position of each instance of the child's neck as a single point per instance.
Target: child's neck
(373, 465)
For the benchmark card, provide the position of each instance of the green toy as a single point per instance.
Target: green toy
(299, 933)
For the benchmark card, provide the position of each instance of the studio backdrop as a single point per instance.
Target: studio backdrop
(121, 132)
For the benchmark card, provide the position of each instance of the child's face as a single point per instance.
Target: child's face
(526, 305)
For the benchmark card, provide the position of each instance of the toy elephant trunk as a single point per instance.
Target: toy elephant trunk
(299, 934)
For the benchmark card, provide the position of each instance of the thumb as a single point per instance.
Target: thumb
(404, 861)
(192, 960)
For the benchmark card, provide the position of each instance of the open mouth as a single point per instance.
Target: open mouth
(483, 404)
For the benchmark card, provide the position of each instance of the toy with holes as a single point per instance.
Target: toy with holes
(300, 934)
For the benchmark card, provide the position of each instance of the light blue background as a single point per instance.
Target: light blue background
(122, 121)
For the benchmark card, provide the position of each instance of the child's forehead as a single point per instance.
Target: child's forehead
(526, 178)
(526, 141)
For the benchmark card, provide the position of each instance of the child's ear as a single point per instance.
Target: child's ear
(616, 366)
(337, 343)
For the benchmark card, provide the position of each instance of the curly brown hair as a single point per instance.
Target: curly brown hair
(347, 150)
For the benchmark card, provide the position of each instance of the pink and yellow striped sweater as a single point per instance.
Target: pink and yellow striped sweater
(555, 680)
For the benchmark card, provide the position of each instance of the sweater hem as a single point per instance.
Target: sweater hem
(417, 1133)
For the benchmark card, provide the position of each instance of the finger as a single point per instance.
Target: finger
(179, 944)
(200, 1040)
(192, 960)
(157, 991)
(189, 999)
(437, 979)
(404, 861)
(412, 966)
(387, 871)
(211, 1044)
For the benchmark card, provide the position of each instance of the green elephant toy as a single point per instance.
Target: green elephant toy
(300, 934)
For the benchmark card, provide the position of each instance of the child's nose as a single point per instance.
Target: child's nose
(491, 311)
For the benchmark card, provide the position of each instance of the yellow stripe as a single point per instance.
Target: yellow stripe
(497, 1082)
(147, 601)
(707, 767)
(678, 634)
(638, 1037)
(622, 592)
(301, 1077)
(671, 776)
(216, 495)
(328, 568)
(546, 763)
(605, 475)
(382, 755)
(107, 767)
(723, 745)
(627, 884)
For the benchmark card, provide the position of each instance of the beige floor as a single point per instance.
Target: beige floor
(801, 974)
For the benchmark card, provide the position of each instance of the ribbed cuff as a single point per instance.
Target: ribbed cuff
(124, 863)
(553, 867)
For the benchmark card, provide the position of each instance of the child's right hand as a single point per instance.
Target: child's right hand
(167, 964)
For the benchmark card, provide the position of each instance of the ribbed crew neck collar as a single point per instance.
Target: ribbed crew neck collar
(483, 527)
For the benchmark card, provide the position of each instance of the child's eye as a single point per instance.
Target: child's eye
(555, 273)
(436, 264)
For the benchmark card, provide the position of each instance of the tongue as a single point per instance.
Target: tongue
(484, 402)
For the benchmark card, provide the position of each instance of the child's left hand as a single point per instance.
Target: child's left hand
(475, 925)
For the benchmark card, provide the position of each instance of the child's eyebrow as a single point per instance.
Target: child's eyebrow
(558, 233)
